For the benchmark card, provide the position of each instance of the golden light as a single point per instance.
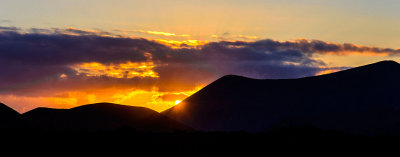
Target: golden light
(177, 102)
(327, 72)
(154, 99)
(123, 70)
(165, 33)
(177, 44)
(63, 76)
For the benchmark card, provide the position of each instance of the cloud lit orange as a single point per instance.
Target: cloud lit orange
(64, 68)
(123, 70)
(182, 43)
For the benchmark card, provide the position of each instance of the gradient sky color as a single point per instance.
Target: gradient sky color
(365, 22)
(155, 52)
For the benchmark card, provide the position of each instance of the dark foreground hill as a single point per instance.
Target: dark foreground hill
(100, 117)
(9, 118)
(290, 141)
(362, 100)
(96, 130)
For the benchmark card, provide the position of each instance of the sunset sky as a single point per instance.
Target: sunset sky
(153, 53)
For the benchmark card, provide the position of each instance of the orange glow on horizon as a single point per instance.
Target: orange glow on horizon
(179, 44)
(153, 99)
(165, 33)
(327, 72)
(123, 70)
(150, 32)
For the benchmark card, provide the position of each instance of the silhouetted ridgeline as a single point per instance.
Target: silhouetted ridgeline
(233, 114)
(363, 100)
(48, 131)
(100, 117)
(9, 118)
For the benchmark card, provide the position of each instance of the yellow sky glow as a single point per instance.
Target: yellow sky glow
(178, 44)
(123, 70)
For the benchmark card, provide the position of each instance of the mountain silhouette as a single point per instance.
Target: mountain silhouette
(9, 118)
(101, 117)
(358, 100)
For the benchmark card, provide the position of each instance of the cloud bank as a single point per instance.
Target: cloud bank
(41, 62)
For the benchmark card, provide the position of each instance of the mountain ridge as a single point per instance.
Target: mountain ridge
(9, 118)
(235, 103)
(92, 117)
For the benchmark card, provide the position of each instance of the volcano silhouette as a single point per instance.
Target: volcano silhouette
(365, 99)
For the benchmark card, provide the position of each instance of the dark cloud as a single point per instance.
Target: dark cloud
(4, 28)
(82, 32)
(43, 49)
(307, 46)
(35, 60)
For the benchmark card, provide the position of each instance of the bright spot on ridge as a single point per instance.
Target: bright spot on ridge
(177, 102)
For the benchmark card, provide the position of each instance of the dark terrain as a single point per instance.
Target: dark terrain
(100, 117)
(356, 109)
(363, 100)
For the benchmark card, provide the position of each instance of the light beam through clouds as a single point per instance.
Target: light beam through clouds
(63, 68)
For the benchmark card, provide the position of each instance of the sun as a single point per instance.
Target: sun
(177, 102)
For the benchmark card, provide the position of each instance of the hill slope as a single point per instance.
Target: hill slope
(101, 116)
(237, 103)
(8, 117)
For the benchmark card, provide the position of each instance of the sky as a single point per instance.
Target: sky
(154, 53)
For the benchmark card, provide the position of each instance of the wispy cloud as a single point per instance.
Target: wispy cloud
(76, 31)
(177, 44)
(248, 37)
(159, 33)
(5, 28)
(227, 37)
(67, 31)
